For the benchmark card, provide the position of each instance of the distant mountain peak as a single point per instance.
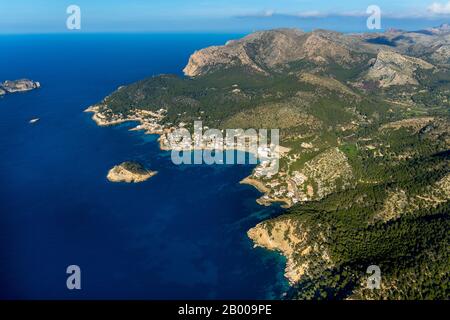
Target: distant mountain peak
(263, 50)
(442, 29)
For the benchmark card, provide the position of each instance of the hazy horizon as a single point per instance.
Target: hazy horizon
(199, 16)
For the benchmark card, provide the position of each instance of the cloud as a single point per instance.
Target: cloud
(268, 13)
(435, 10)
(303, 14)
(439, 8)
(263, 14)
(311, 14)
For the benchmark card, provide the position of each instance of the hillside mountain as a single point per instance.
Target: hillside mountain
(365, 131)
(392, 68)
(264, 51)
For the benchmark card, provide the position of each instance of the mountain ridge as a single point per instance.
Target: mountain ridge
(364, 121)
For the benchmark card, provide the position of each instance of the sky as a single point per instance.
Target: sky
(43, 16)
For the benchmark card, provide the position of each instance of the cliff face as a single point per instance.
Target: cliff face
(291, 238)
(210, 58)
(263, 51)
(266, 51)
(360, 191)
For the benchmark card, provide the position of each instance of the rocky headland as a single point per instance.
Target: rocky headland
(22, 85)
(130, 172)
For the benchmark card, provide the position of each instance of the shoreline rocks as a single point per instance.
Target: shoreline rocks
(129, 172)
(281, 236)
(21, 85)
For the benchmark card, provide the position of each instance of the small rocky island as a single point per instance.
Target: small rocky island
(364, 143)
(130, 172)
(22, 85)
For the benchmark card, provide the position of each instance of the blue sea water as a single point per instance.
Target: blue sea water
(179, 235)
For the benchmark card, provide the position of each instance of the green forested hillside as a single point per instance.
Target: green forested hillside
(366, 123)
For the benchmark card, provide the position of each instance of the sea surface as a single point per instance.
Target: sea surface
(179, 235)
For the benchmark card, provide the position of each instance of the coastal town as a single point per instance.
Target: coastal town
(279, 184)
(351, 140)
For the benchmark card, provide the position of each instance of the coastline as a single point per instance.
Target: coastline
(279, 238)
(292, 272)
(264, 200)
(150, 122)
(120, 173)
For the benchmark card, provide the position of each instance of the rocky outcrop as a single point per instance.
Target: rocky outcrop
(442, 29)
(394, 69)
(130, 172)
(323, 47)
(394, 205)
(18, 86)
(441, 54)
(284, 237)
(264, 51)
(292, 239)
(328, 170)
(228, 56)
(399, 203)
